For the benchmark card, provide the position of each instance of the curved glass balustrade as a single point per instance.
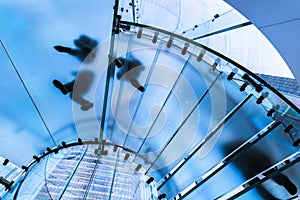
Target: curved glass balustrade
(179, 73)
(73, 171)
(212, 23)
(272, 104)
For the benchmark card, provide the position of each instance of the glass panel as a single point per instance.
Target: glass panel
(9, 173)
(76, 172)
(164, 146)
(23, 127)
(249, 48)
(127, 10)
(29, 38)
(176, 100)
(212, 23)
(220, 23)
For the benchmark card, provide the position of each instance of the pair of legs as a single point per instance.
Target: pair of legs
(80, 54)
(130, 72)
(137, 85)
(284, 181)
(68, 88)
(254, 161)
(85, 46)
(281, 180)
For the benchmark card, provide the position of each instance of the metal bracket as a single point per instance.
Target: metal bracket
(6, 183)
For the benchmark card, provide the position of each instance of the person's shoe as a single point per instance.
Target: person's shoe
(141, 89)
(63, 49)
(86, 106)
(118, 63)
(290, 187)
(284, 181)
(60, 86)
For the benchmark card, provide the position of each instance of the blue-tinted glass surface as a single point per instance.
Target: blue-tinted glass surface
(163, 123)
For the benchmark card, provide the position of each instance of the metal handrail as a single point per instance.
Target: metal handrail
(260, 80)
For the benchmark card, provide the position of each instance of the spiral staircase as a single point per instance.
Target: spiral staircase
(174, 141)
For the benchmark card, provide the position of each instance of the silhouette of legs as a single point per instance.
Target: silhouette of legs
(254, 161)
(137, 85)
(284, 181)
(68, 88)
(130, 70)
(63, 49)
(133, 82)
(81, 55)
(84, 104)
(119, 62)
(84, 47)
(65, 89)
(85, 43)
